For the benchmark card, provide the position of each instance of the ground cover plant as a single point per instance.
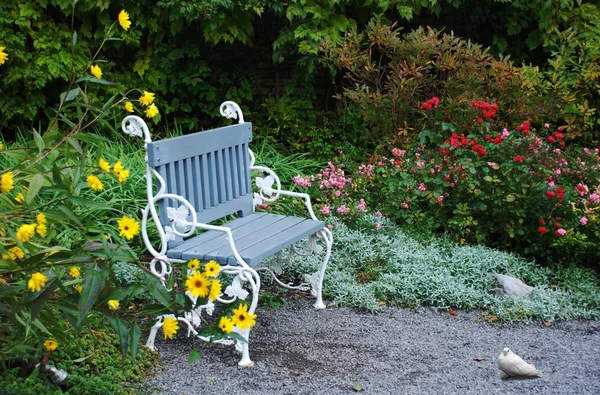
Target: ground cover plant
(383, 266)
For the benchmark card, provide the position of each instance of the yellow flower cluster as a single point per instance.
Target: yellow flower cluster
(200, 284)
(96, 71)
(117, 169)
(13, 253)
(241, 318)
(113, 304)
(7, 183)
(147, 99)
(36, 282)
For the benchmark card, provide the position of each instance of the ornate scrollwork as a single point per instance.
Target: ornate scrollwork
(135, 126)
(231, 110)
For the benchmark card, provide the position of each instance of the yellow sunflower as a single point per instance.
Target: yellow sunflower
(170, 327)
(215, 290)
(128, 106)
(50, 344)
(197, 284)
(113, 304)
(96, 71)
(151, 111)
(212, 269)
(226, 325)
(124, 20)
(193, 264)
(3, 55)
(242, 319)
(128, 227)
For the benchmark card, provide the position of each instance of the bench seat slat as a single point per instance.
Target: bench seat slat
(256, 236)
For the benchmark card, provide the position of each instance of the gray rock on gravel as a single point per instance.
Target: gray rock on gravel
(300, 350)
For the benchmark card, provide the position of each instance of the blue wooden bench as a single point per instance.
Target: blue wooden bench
(206, 176)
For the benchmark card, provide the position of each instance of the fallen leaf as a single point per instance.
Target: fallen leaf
(548, 323)
(479, 359)
(453, 312)
(466, 343)
(295, 373)
(357, 387)
(492, 318)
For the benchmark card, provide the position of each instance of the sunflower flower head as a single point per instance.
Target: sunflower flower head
(197, 284)
(6, 182)
(226, 325)
(102, 164)
(51, 344)
(170, 327)
(124, 20)
(36, 282)
(94, 183)
(215, 290)
(113, 304)
(3, 55)
(242, 319)
(129, 106)
(151, 111)
(193, 264)
(26, 232)
(212, 269)
(96, 71)
(128, 227)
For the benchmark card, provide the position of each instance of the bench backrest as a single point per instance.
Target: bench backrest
(210, 169)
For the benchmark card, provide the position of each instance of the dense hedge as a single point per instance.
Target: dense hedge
(189, 53)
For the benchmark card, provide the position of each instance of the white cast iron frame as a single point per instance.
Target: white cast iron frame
(135, 126)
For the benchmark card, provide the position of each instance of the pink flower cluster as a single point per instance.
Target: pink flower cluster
(333, 178)
(304, 182)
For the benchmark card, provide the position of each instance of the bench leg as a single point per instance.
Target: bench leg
(327, 236)
(246, 361)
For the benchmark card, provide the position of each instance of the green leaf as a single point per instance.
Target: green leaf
(35, 184)
(236, 336)
(39, 141)
(92, 287)
(75, 145)
(88, 203)
(38, 324)
(157, 289)
(510, 198)
(121, 329)
(70, 95)
(153, 309)
(74, 38)
(194, 355)
(91, 78)
(67, 211)
(488, 178)
(42, 298)
(134, 339)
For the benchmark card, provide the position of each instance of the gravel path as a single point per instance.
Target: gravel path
(299, 350)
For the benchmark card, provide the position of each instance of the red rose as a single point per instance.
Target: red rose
(479, 120)
(542, 222)
(541, 230)
(550, 194)
(550, 139)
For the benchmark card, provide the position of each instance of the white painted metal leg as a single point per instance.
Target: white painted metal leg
(152, 336)
(245, 361)
(327, 236)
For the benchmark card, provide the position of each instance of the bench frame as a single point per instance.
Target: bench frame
(183, 223)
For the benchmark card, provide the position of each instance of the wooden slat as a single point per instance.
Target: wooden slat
(190, 182)
(207, 237)
(205, 183)
(268, 246)
(177, 148)
(229, 181)
(245, 185)
(220, 172)
(196, 175)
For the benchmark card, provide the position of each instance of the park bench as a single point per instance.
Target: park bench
(199, 178)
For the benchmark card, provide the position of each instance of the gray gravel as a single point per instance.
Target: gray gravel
(299, 350)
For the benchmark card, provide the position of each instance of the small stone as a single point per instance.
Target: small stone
(510, 286)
